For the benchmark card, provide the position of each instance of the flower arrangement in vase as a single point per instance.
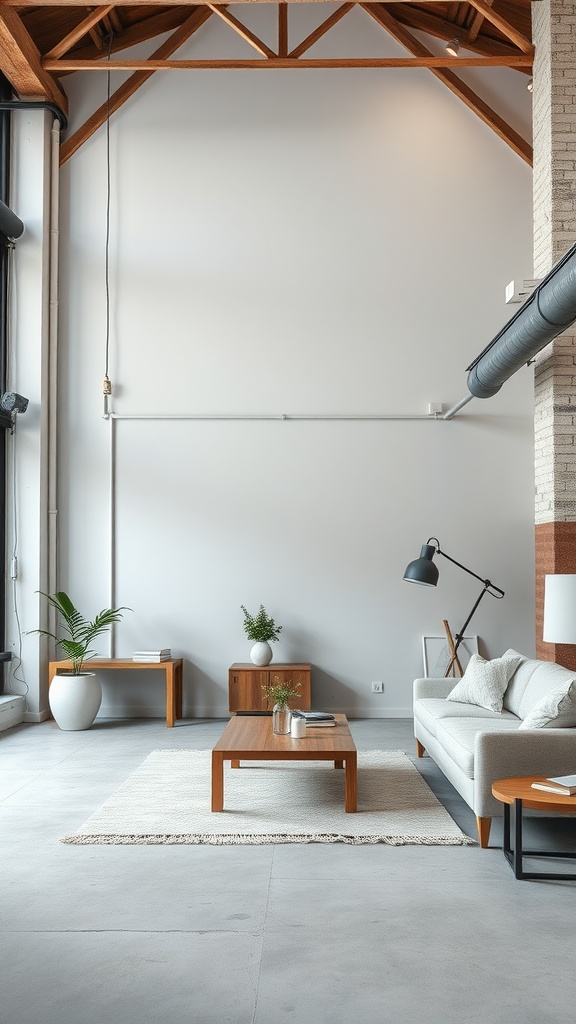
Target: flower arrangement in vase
(278, 693)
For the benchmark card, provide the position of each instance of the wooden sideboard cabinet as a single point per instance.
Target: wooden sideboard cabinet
(245, 682)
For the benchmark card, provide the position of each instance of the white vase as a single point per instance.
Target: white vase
(261, 653)
(75, 700)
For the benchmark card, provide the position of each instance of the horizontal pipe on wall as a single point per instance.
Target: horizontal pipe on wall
(336, 417)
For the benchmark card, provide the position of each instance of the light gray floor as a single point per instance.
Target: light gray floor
(302, 934)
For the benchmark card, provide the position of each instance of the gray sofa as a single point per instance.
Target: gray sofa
(474, 746)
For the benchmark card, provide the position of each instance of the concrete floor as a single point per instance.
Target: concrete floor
(306, 934)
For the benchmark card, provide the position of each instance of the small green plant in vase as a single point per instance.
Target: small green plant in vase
(262, 630)
(278, 693)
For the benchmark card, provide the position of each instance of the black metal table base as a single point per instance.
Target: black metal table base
(515, 855)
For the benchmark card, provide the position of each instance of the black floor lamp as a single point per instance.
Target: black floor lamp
(425, 572)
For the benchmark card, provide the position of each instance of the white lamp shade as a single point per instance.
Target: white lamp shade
(560, 609)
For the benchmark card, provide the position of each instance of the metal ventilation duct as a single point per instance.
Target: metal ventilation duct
(550, 310)
(10, 225)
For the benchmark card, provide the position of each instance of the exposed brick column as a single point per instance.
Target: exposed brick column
(554, 119)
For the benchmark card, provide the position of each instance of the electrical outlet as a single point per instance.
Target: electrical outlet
(378, 687)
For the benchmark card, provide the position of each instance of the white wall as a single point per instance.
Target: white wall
(306, 242)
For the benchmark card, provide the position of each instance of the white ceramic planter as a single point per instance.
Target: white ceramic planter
(261, 653)
(75, 700)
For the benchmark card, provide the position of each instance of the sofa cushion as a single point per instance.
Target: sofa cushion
(458, 737)
(519, 681)
(429, 710)
(555, 711)
(484, 682)
(545, 678)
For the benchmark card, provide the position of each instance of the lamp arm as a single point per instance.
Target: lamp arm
(460, 636)
(492, 589)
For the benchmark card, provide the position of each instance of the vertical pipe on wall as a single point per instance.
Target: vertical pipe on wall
(5, 94)
(52, 526)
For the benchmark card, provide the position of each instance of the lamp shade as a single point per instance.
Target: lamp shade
(423, 570)
(560, 609)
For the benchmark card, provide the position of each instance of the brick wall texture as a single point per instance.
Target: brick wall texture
(554, 126)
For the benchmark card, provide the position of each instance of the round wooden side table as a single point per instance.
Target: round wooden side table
(518, 793)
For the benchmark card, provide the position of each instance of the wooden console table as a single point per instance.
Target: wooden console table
(172, 670)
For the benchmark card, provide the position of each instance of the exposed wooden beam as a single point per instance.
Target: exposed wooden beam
(97, 37)
(420, 61)
(154, 3)
(128, 88)
(434, 25)
(116, 21)
(438, 26)
(321, 30)
(79, 32)
(283, 30)
(151, 27)
(241, 30)
(504, 26)
(476, 24)
(20, 62)
(455, 84)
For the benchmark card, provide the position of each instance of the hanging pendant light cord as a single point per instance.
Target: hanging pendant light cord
(107, 385)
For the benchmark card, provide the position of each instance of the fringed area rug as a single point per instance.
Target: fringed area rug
(167, 800)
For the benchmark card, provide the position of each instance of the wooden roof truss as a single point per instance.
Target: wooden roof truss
(39, 47)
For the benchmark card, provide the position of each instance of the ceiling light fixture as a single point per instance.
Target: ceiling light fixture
(453, 47)
(530, 85)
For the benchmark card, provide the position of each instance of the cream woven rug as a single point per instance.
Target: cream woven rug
(167, 800)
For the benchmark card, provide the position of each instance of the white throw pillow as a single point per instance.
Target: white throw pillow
(484, 682)
(557, 710)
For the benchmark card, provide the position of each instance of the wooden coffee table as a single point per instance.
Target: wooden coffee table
(250, 738)
(519, 793)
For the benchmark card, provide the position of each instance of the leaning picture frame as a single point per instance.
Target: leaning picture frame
(436, 654)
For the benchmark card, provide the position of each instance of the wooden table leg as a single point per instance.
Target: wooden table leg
(217, 780)
(351, 783)
(170, 696)
(178, 683)
(235, 764)
(338, 764)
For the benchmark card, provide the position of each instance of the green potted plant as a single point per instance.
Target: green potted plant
(75, 695)
(261, 629)
(278, 693)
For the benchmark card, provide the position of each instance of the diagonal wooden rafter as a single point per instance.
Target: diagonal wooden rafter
(20, 62)
(317, 34)
(241, 30)
(66, 44)
(505, 27)
(476, 24)
(439, 27)
(455, 84)
(128, 88)
(141, 32)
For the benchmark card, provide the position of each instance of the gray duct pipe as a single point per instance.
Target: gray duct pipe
(10, 225)
(550, 310)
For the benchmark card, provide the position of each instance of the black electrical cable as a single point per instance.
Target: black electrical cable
(107, 246)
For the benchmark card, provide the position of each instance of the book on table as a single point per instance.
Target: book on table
(315, 718)
(163, 654)
(565, 785)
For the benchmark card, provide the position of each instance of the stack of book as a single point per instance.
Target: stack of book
(563, 784)
(164, 654)
(315, 719)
